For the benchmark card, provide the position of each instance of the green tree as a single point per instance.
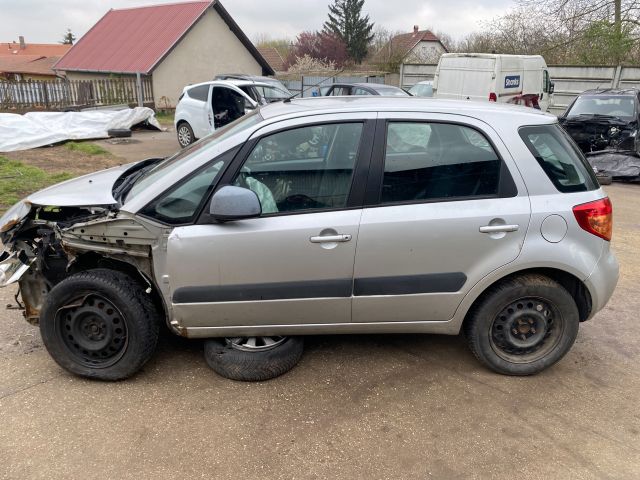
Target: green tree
(68, 38)
(603, 42)
(348, 23)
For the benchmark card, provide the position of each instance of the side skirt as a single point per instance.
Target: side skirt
(451, 327)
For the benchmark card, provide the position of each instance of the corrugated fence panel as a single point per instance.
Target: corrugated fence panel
(570, 81)
(411, 73)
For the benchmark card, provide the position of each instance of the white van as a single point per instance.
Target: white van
(518, 79)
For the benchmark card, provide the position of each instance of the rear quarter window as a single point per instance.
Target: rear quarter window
(199, 93)
(560, 158)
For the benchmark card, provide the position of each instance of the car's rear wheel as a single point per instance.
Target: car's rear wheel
(523, 325)
(100, 324)
(185, 134)
(253, 359)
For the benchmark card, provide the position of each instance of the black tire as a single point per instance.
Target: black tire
(185, 134)
(252, 366)
(100, 324)
(523, 325)
(119, 132)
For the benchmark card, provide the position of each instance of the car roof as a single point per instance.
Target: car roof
(234, 82)
(373, 86)
(486, 111)
(612, 91)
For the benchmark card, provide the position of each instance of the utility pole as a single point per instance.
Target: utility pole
(618, 29)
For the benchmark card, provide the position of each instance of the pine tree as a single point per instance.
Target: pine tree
(68, 38)
(347, 22)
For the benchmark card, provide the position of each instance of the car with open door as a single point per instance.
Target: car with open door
(322, 216)
(205, 107)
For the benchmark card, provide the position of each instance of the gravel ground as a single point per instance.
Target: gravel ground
(388, 406)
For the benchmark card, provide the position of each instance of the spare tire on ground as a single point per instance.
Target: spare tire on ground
(119, 132)
(253, 359)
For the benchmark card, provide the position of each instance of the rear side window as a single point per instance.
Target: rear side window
(438, 161)
(199, 93)
(559, 157)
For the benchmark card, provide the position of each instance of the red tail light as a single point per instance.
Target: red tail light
(493, 97)
(596, 217)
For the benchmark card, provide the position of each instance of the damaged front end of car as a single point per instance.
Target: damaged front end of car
(610, 144)
(44, 244)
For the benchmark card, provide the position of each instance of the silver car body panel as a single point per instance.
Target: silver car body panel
(89, 190)
(209, 266)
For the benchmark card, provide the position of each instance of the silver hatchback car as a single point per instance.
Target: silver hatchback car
(322, 216)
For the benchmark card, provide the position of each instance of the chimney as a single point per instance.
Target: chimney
(22, 44)
(416, 28)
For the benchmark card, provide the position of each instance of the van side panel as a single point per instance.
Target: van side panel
(465, 78)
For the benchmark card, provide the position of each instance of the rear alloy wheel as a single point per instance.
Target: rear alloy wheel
(253, 359)
(185, 134)
(523, 325)
(100, 324)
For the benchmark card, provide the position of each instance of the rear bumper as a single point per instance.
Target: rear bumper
(603, 280)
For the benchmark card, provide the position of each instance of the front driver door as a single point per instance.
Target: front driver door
(294, 264)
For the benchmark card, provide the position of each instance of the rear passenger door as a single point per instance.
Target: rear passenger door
(445, 206)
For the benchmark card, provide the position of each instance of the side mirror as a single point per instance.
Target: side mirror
(234, 203)
(552, 87)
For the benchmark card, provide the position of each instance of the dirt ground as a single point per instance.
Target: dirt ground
(143, 144)
(370, 407)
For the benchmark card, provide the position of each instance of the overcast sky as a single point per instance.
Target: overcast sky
(45, 21)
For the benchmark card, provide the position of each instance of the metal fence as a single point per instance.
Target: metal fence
(68, 94)
(311, 86)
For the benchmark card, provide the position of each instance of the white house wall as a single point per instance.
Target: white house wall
(210, 48)
(425, 52)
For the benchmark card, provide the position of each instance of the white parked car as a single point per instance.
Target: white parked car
(206, 107)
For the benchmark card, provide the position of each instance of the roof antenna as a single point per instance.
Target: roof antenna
(301, 92)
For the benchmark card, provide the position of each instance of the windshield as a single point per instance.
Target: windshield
(271, 92)
(422, 90)
(390, 91)
(168, 166)
(609, 105)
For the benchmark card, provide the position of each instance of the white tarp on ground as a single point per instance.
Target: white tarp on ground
(36, 129)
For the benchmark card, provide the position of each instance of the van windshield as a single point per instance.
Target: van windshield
(169, 165)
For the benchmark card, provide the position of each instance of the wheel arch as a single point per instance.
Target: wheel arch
(92, 260)
(576, 288)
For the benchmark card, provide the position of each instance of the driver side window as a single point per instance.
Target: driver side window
(307, 168)
(228, 105)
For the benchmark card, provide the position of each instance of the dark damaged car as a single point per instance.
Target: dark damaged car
(604, 124)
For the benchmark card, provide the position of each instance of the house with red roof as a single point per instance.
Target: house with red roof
(30, 61)
(419, 46)
(175, 44)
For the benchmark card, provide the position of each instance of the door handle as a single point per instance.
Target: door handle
(330, 239)
(499, 228)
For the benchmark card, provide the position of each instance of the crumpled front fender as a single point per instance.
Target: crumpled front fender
(12, 268)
